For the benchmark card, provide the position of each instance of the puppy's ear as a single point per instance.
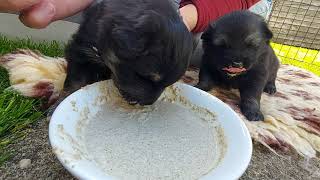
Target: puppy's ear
(254, 39)
(209, 32)
(267, 32)
(130, 39)
(127, 42)
(150, 22)
(211, 36)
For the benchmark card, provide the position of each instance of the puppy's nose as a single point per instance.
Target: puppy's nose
(237, 64)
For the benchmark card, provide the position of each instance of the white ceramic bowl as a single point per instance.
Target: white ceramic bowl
(64, 126)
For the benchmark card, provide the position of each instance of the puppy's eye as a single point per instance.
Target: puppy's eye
(253, 41)
(223, 45)
(155, 77)
(252, 45)
(220, 42)
(152, 77)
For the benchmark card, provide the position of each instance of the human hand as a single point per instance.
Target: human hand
(40, 13)
(189, 16)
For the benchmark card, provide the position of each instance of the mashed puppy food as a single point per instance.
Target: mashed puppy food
(171, 139)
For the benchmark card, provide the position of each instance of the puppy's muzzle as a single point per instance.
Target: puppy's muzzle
(235, 69)
(147, 99)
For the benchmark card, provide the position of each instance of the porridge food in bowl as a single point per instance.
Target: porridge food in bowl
(186, 134)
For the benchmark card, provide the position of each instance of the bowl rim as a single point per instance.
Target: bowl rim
(78, 172)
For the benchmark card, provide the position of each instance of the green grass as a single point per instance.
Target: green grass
(53, 49)
(17, 113)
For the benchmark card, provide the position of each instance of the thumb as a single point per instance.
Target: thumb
(47, 11)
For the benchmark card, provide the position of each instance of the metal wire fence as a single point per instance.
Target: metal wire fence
(296, 28)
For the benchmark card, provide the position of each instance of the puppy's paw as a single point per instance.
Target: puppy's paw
(270, 88)
(71, 85)
(251, 110)
(253, 115)
(204, 86)
(74, 82)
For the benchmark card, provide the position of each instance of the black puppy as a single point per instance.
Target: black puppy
(237, 55)
(143, 45)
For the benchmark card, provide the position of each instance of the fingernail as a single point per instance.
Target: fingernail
(45, 11)
(39, 16)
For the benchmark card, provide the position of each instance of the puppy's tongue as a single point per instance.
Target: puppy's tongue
(234, 69)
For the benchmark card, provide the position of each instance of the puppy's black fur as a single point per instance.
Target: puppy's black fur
(240, 39)
(142, 45)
